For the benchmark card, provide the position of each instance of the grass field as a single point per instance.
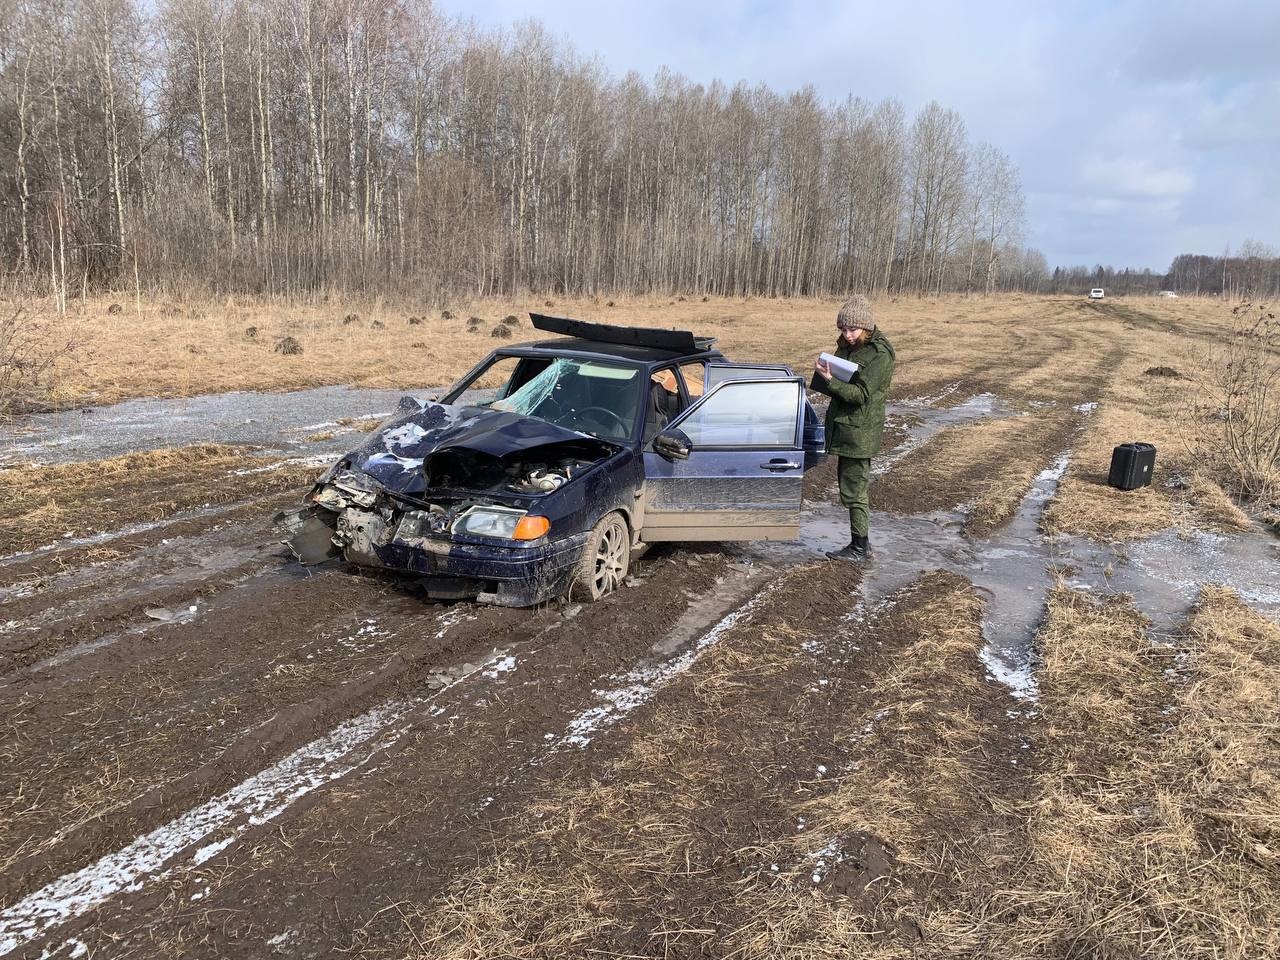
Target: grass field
(1031, 346)
(806, 776)
(1044, 354)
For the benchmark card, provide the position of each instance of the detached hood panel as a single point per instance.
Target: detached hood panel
(393, 456)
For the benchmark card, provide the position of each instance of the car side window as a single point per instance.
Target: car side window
(694, 376)
(663, 402)
(720, 372)
(747, 414)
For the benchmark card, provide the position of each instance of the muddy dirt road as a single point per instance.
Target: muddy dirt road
(208, 750)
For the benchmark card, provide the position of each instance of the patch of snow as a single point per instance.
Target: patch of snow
(75, 947)
(1019, 679)
(317, 460)
(930, 401)
(1086, 408)
(404, 435)
(284, 938)
(636, 687)
(406, 464)
(825, 859)
(1053, 474)
(450, 619)
(505, 665)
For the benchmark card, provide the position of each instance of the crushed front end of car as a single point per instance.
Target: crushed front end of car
(473, 502)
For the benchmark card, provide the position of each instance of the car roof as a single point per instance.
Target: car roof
(575, 346)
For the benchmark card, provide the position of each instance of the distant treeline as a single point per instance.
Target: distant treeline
(1253, 272)
(301, 147)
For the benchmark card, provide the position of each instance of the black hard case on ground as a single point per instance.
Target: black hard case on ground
(1132, 465)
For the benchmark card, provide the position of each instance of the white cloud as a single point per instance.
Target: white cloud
(1135, 176)
(1142, 129)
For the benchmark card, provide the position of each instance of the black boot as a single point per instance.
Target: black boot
(857, 551)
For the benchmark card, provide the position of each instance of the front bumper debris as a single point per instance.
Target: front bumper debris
(417, 543)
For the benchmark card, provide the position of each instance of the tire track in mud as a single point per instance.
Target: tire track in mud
(75, 599)
(270, 662)
(344, 863)
(493, 722)
(218, 823)
(51, 563)
(748, 795)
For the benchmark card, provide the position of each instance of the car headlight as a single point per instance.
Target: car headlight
(503, 522)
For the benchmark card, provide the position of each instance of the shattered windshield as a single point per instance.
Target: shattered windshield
(590, 396)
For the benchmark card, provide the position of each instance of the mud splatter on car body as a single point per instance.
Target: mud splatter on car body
(530, 463)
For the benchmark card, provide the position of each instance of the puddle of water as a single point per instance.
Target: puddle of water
(1015, 568)
(1165, 572)
(274, 421)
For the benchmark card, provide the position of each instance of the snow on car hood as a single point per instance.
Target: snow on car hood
(393, 456)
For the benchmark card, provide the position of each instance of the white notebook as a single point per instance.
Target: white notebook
(840, 369)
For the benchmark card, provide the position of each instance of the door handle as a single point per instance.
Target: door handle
(777, 466)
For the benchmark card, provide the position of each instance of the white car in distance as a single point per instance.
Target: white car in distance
(1096, 293)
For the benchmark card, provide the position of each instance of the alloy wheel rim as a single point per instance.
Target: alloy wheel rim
(608, 572)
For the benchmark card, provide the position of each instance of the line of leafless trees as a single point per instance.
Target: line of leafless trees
(1253, 272)
(301, 147)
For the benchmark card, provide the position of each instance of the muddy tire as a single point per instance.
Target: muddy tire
(605, 560)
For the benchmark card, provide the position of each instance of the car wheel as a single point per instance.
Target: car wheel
(605, 560)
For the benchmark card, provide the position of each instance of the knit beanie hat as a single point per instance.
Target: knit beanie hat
(855, 315)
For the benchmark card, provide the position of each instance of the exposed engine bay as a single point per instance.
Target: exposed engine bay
(528, 472)
(455, 491)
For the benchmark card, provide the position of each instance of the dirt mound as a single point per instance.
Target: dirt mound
(500, 332)
(1163, 372)
(288, 346)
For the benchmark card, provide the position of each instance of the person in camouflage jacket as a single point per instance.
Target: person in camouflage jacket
(855, 416)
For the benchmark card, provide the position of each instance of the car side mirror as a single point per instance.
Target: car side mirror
(672, 444)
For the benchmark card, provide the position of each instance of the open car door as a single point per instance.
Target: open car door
(742, 476)
(815, 434)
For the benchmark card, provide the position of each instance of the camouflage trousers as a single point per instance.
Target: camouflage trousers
(854, 476)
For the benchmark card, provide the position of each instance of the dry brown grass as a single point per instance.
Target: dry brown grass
(987, 467)
(1234, 405)
(928, 764)
(33, 350)
(1182, 493)
(1156, 828)
(1035, 346)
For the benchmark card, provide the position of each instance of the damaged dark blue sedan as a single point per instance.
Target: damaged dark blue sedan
(542, 470)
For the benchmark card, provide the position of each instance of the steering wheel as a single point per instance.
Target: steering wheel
(586, 412)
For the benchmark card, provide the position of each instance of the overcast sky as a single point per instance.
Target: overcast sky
(1141, 129)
